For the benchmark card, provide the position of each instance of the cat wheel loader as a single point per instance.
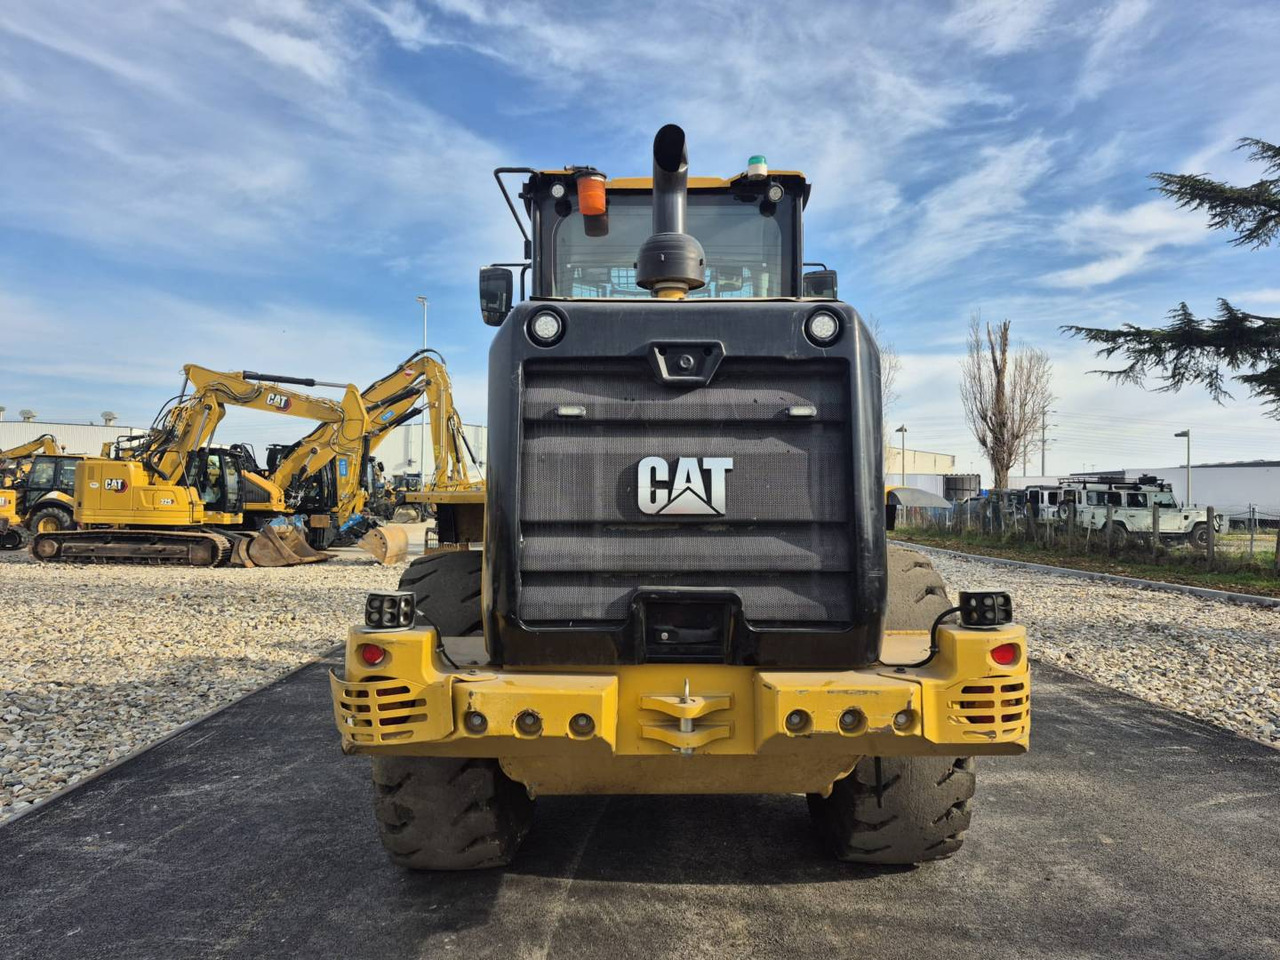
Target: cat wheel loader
(170, 497)
(685, 585)
(36, 484)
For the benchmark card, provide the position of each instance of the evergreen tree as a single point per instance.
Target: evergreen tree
(1232, 343)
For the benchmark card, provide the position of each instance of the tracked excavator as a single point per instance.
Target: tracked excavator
(455, 489)
(170, 497)
(316, 480)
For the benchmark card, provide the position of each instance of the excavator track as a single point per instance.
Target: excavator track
(186, 548)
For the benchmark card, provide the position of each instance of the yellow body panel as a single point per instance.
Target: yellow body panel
(659, 728)
(116, 492)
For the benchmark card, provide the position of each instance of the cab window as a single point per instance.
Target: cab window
(1136, 500)
(42, 473)
(67, 476)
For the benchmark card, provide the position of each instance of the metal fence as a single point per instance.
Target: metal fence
(1249, 537)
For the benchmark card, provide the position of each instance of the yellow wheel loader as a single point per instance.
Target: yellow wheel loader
(36, 492)
(171, 497)
(685, 585)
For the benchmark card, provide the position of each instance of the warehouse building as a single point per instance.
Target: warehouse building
(83, 437)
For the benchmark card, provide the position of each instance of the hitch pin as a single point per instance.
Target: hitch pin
(686, 723)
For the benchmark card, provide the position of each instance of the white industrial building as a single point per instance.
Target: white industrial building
(72, 437)
(401, 451)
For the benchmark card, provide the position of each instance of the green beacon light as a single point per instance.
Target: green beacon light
(757, 168)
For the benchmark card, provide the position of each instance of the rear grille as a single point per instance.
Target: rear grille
(994, 710)
(784, 542)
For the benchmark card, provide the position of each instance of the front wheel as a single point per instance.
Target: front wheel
(1199, 536)
(897, 810)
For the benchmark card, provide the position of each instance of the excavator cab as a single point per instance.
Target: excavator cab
(216, 474)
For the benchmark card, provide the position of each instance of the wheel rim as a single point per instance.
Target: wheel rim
(48, 525)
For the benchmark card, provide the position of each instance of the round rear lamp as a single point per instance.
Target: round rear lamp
(1006, 654)
(822, 328)
(546, 329)
(372, 654)
(774, 193)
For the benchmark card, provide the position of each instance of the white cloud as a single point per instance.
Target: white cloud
(980, 208)
(308, 56)
(1113, 43)
(1126, 239)
(1266, 296)
(403, 20)
(1000, 27)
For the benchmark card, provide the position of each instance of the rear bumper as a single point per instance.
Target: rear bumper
(575, 727)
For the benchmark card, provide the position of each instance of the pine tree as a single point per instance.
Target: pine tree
(1232, 344)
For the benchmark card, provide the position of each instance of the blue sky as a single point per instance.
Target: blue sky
(269, 185)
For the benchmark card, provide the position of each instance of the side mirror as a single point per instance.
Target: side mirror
(820, 283)
(496, 286)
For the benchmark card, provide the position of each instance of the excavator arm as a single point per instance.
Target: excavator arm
(190, 423)
(46, 443)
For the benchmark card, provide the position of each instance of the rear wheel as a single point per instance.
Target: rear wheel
(446, 589)
(901, 810)
(897, 810)
(917, 595)
(444, 813)
(1118, 535)
(51, 520)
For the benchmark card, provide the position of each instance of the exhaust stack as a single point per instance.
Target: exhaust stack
(671, 263)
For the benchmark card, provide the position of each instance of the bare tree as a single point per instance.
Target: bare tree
(1004, 396)
(890, 364)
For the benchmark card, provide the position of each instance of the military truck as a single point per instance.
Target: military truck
(685, 585)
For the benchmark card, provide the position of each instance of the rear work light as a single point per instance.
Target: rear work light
(985, 608)
(389, 611)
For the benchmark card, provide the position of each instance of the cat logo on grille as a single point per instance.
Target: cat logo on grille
(695, 488)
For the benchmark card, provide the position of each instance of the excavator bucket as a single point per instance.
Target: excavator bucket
(282, 546)
(388, 545)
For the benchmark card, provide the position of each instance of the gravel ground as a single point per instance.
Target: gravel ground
(1204, 658)
(102, 660)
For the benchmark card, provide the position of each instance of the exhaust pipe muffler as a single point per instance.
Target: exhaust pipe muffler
(671, 262)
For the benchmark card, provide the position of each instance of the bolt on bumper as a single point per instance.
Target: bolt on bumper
(960, 703)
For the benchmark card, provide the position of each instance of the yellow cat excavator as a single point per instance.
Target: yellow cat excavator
(455, 490)
(316, 478)
(170, 497)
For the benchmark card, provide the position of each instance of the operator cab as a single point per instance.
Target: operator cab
(585, 231)
(215, 473)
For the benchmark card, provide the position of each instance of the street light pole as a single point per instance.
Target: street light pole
(903, 430)
(1187, 433)
(422, 461)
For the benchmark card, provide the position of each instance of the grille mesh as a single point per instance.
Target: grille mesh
(784, 541)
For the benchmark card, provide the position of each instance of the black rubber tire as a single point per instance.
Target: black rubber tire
(1119, 535)
(917, 595)
(1199, 536)
(446, 813)
(60, 515)
(897, 810)
(446, 588)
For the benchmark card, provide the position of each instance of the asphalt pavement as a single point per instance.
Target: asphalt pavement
(1128, 831)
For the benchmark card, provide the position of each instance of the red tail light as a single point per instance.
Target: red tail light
(372, 654)
(1006, 654)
